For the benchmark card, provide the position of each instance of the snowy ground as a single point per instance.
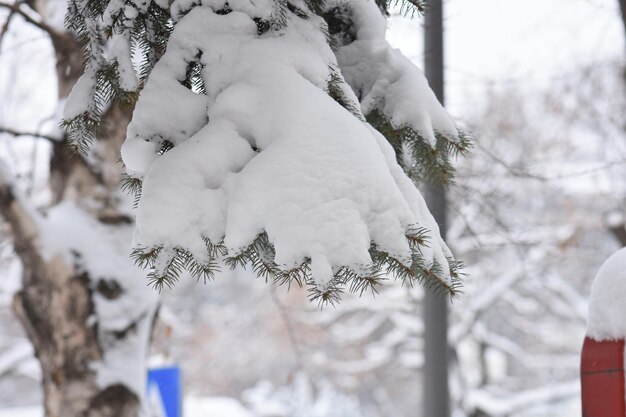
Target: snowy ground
(230, 407)
(193, 407)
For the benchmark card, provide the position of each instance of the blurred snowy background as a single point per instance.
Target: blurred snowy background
(536, 208)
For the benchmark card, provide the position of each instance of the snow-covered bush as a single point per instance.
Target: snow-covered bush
(270, 134)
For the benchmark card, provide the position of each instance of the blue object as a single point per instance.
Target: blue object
(165, 385)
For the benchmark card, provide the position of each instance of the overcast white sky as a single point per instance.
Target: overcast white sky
(515, 41)
(487, 41)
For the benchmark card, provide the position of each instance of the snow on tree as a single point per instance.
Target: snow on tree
(264, 134)
(515, 335)
(80, 303)
(606, 306)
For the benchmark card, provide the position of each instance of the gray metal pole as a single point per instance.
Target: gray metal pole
(622, 6)
(436, 400)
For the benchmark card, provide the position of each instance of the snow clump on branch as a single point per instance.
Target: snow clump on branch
(249, 148)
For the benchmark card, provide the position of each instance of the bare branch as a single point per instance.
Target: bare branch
(5, 27)
(21, 222)
(291, 331)
(481, 304)
(16, 133)
(15, 9)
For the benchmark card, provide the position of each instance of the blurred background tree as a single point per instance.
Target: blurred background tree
(80, 301)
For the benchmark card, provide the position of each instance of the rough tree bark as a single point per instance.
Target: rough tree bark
(55, 305)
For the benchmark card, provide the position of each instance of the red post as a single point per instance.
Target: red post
(602, 378)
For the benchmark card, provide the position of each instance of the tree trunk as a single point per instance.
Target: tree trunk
(56, 314)
(56, 304)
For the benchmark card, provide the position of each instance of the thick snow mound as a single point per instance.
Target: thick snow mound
(607, 307)
(193, 406)
(386, 80)
(259, 160)
(215, 406)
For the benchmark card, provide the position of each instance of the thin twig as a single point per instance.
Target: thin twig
(15, 8)
(291, 331)
(17, 133)
(5, 27)
(516, 172)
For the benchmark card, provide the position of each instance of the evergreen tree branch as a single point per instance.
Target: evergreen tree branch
(425, 162)
(148, 34)
(167, 265)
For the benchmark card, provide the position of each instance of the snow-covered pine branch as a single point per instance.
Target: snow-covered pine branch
(394, 95)
(249, 143)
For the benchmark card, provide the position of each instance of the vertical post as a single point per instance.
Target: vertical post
(602, 372)
(622, 6)
(602, 378)
(436, 400)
